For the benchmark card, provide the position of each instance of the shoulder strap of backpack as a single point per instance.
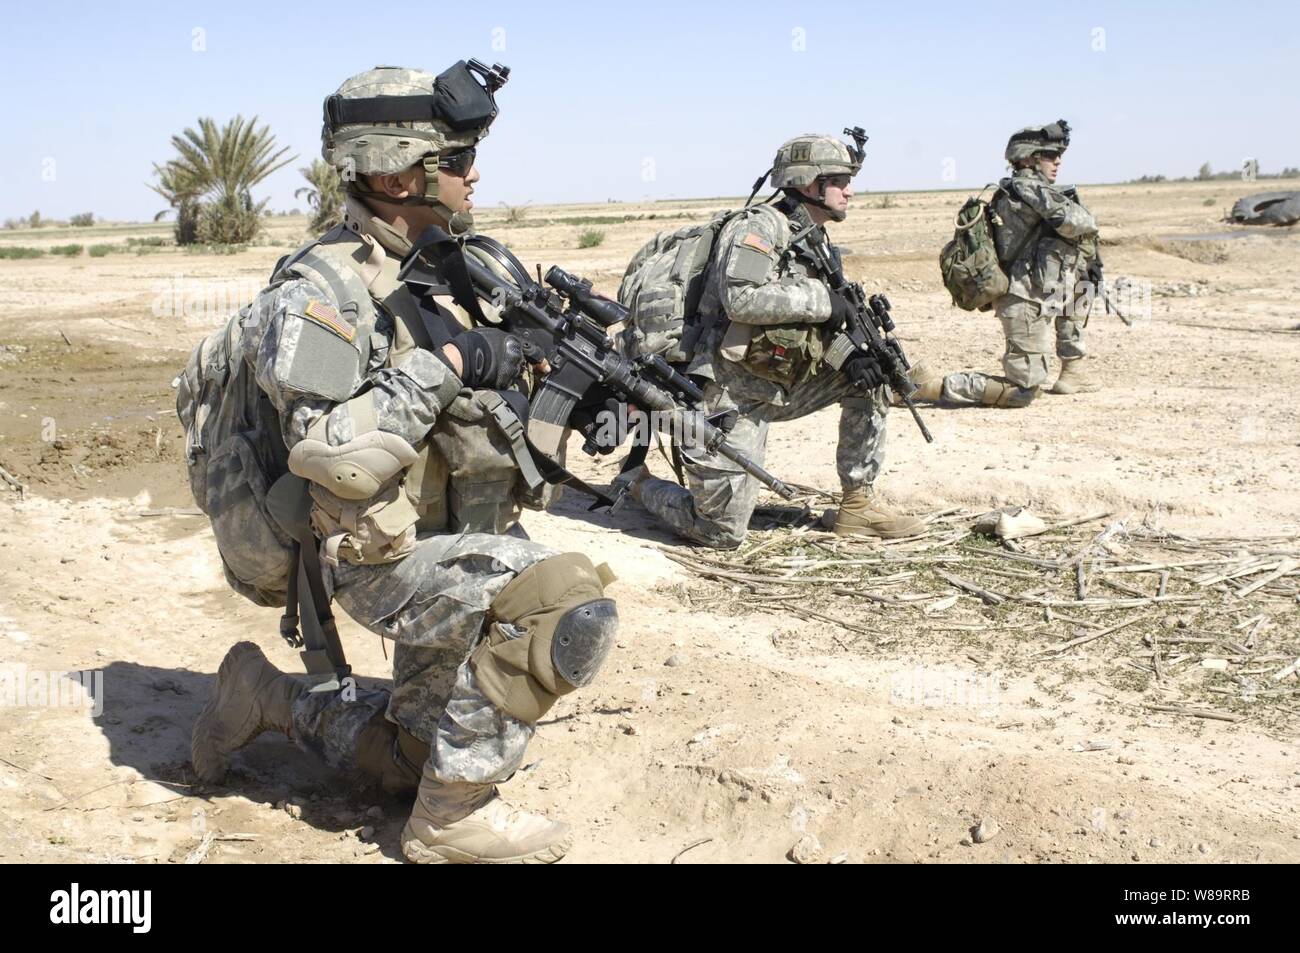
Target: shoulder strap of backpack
(1007, 187)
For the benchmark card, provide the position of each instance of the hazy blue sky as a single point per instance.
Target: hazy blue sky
(656, 100)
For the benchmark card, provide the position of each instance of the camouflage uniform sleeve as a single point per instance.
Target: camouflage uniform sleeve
(289, 323)
(753, 291)
(1068, 219)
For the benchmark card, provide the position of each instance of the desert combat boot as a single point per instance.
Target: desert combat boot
(929, 384)
(251, 696)
(861, 514)
(1074, 379)
(470, 824)
(1000, 393)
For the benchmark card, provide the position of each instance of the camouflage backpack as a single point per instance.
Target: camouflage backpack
(662, 288)
(234, 453)
(971, 270)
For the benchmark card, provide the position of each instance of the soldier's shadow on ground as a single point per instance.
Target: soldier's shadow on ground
(147, 716)
(632, 519)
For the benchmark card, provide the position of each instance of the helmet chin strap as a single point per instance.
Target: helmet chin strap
(458, 223)
(836, 215)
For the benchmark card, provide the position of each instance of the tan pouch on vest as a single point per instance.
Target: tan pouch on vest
(784, 353)
(366, 532)
(735, 342)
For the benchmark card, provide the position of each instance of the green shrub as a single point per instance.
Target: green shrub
(68, 251)
(886, 201)
(83, 220)
(215, 248)
(229, 220)
(20, 251)
(515, 213)
(591, 238)
(99, 251)
(153, 241)
(1208, 202)
(594, 220)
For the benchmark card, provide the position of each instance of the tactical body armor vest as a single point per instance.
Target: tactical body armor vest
(471, 473)
(1039, 262)
(467, 477)
(785, 354)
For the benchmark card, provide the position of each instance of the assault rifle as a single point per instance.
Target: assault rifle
(1105, 291)
(1101, 288)
(568, 323)
(869, 330)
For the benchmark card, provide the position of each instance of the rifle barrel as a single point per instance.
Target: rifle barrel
(925, 431)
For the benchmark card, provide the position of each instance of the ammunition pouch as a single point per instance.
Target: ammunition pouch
(476, 471)
(380, 529)
(787, 354)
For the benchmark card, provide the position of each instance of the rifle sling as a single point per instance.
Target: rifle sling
(449, 254)
(549, 470)
(316, 633)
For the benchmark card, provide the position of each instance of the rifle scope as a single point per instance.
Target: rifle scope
(578, 290)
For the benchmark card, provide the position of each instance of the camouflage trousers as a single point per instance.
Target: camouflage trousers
(715, 505)
(432, 604)
(1026, 363)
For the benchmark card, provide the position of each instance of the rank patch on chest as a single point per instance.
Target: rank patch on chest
(755, 240)
(328, 318)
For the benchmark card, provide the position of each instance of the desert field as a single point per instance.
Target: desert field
(805, 697)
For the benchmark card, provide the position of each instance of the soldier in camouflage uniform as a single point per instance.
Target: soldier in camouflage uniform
(768, 315)
(391, 408)
(1045, 241)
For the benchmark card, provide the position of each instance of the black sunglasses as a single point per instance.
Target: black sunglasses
(457, 163)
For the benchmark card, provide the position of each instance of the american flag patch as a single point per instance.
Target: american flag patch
(755, 240)
(327, 317)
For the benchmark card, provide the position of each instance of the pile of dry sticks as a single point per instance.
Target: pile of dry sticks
(1229, 606)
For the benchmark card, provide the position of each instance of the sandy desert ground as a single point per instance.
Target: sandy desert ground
(722, 725)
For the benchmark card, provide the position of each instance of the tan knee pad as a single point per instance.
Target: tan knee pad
(550, 630)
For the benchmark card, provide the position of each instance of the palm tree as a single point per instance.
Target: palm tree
(213, 174)
(182, 195)
(324, 194)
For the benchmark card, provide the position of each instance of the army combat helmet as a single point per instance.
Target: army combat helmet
(1028, 142)
(388, 119)
(809, 158)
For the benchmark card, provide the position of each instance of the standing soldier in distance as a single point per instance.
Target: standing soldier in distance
(390, 407)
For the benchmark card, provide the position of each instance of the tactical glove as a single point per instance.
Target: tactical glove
(490, 358)
(841, 310)
(864, 370)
